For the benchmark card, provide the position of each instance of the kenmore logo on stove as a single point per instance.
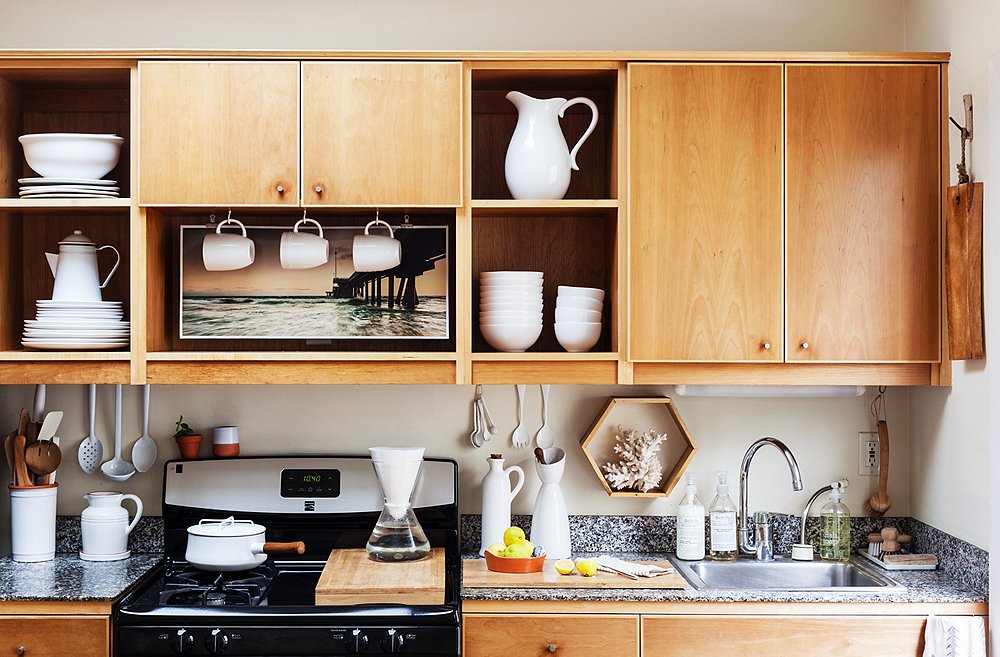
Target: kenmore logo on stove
(309, 505)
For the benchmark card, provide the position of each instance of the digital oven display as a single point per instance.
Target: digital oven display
(310, 483)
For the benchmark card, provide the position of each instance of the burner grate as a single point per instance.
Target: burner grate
(188, 586)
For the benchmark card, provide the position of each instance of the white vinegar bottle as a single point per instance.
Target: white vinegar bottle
(722, 522)
(690, 524)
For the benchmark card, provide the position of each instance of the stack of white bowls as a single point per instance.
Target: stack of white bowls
(578, 317)
(510, 309)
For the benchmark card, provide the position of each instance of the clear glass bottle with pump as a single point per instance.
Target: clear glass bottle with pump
(690, 524)
(722, 522)
(835, 529)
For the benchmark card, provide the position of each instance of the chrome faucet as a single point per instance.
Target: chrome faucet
(760, 545)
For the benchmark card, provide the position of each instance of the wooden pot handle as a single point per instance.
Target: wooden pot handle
(281, 548)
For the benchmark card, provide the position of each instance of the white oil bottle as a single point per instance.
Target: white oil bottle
(835, 528)
(691, 524)
(722, 522)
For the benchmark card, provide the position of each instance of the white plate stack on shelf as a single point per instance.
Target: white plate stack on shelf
(71, 164)
(76, 325)
(578, 317)
(510, 309)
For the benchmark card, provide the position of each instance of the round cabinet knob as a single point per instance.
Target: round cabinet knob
(20, 651)
(182, 642)
(318, 189)
(392, 641)
(280, 189)
(766, 346)
(217, 642)
(804, 345)
(552, 647)
(357, 641)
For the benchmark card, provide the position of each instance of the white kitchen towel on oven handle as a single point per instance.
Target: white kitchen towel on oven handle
(955, 636)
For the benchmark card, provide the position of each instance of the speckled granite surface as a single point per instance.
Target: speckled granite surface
(146, 538)
(68, 578)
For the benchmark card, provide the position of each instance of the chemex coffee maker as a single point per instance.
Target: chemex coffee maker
(398, 535)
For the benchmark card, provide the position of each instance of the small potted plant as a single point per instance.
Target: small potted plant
(188, 442)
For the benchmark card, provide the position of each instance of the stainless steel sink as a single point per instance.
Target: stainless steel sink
(783, 574)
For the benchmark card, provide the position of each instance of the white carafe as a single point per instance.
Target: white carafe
(550, 521)
(104, 526)
(497, 497)
(75, 269)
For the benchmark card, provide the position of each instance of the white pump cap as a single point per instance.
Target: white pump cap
(690, 487)
(723, 485)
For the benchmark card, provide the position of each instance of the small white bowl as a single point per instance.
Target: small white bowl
(513, 338)
(511, 306)
(586, 292)
(576, 337)
(510, 318)
(577, 315)
(530, 298)
(503, 287)
(509, 276)
(71, 154)
(580, 303)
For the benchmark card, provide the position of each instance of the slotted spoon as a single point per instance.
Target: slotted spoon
(520, 437)
(545, 438)
(91, 450)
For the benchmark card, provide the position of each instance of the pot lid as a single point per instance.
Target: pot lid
(228, 527)
(77, 238)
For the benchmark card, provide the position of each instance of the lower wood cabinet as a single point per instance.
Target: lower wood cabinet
(553, 635)
(55, 636)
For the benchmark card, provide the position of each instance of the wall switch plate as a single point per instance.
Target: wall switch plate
(868, 453)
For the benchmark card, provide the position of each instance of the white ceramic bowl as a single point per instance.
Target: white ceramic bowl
(511, 337)
(509, 276)
(577, 315)
(510, 318)
(585, 292)
(511, 306)
(578, 336)
(511, 287)
(530, 298)
(580, 303)
(72, 155)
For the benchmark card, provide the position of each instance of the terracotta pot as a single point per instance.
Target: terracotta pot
(189, 445)
(225, 450)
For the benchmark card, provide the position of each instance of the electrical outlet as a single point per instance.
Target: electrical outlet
(868, 454)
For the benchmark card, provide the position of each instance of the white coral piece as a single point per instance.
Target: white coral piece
(637, 468)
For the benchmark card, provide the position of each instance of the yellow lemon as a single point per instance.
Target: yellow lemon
(587, 567)
(513, 535)
(497, 549)
(531, 546)
(517, 551)
(565, 566)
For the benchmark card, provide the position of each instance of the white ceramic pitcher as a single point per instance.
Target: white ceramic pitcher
(75, 269)
(105, 527)
(538, 161)
(497, 496)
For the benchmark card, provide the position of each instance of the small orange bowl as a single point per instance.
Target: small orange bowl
(512, 565)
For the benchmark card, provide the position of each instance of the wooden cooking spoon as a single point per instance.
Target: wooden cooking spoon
(21, 475)
(42, 457)
(8, 450)
(879, 503)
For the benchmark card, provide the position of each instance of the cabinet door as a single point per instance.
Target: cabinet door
(538, 635)
(705, 212)
(768, 636)
(54, 636)
(218, 133)
(382, 133)
(863, 213)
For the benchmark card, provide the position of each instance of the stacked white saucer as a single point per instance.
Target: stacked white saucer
(578, 317)
(67, 188)
(74, 325)
(510, 309)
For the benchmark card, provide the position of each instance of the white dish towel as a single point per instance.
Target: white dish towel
(955, 636)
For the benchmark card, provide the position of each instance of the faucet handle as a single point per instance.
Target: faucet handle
(762, 518)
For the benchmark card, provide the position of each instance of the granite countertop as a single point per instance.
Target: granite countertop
(922, 586)
(69, 578)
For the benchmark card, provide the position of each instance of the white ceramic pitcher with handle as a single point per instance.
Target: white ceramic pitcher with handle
(538, 161)
(104, 525)
(75, 269)
(497, 496)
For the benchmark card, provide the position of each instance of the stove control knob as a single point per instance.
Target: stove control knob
(392, 641)
(182, 642)
(217, 641)
(357, 641)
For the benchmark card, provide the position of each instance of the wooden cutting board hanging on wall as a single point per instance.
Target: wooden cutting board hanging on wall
(963, 266)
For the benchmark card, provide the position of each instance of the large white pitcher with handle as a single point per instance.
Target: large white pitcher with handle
(104, 525)
(497, 496)
(75, 269)
(538, 160)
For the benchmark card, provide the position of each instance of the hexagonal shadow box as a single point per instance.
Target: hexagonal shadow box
(640, 414)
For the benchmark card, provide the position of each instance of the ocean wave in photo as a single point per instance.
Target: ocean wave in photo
(309, 317)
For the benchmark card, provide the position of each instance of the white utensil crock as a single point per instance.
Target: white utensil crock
(549, 520)
(497, 496)
(33, 522)
(104, 525)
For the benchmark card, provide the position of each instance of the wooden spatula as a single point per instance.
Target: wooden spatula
(879, 503)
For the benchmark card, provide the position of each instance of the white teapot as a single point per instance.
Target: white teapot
(75, 269)
(104, 525)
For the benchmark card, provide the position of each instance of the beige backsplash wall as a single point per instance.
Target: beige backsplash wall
(348, 419)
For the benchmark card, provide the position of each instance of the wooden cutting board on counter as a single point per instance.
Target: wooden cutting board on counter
(475, 575)
(350, 578)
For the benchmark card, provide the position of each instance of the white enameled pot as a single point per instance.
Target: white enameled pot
(229, 544)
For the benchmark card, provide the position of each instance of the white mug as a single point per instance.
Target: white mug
(376, 252)
(304, 250)
(224, 251)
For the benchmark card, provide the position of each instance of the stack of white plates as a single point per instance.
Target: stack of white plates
(578, 317)
(510, 309)
(66, 325)
(67, 188)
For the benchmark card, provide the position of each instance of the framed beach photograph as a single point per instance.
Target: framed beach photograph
(328, 302)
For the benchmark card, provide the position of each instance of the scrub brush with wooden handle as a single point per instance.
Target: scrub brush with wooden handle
(879, 503)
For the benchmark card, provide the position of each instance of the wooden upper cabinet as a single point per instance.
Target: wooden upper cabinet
(382, 133)
(863, 213)
(705, 199)
(218, 133)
